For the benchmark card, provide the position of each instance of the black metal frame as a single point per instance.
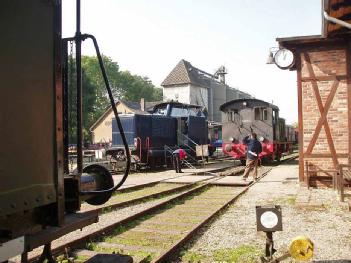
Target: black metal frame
(78, 39)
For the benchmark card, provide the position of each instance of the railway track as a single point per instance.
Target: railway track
(125, 198)
(154, 237)
(138, 234)
(141, 193)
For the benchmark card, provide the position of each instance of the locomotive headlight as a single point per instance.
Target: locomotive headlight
(135, 142)
(244, 103)
(231, 139)
(261, 139)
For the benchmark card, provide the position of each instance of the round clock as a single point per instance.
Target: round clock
(284, 58)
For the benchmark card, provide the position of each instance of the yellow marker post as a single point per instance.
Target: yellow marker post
(301, 248)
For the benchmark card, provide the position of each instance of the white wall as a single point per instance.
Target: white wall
(199, 96)
(177, 93)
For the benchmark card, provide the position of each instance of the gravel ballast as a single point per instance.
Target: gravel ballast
(315, 213)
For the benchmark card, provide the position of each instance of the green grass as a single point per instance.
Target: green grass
(242, 254)
(106, 210)
(291, 200)
(192, 257)
(288, 200)
(91, 246)
(80, 259)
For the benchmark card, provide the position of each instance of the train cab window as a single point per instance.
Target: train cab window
(233, 115)
(261, 114)
(161, 111)
(179, 112)
(230, 116)
(265, 114)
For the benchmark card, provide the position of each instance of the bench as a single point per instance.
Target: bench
(343, 178)
(313, 170)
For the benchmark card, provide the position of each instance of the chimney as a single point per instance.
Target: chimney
(142, 104)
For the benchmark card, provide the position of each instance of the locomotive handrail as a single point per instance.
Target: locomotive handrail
(147, 142)
(140, 146)
(188, 146)
(170, 150)
(114, 108)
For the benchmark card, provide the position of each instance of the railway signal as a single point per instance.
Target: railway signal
(269, 220)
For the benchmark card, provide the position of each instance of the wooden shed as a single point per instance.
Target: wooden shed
(323, 65)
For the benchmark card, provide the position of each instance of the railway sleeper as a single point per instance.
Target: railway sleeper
(123, 247)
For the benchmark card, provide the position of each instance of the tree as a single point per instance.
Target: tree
(93, 72)
(90, 109)
(135, 87)
(123, 84)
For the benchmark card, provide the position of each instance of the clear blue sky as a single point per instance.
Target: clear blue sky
(149, 37)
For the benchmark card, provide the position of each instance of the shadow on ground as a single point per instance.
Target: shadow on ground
(333, 261)
(291, 162)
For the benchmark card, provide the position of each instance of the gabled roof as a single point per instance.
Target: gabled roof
(132, 105)
(185, 73)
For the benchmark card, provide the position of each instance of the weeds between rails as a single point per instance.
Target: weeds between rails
(75, 243)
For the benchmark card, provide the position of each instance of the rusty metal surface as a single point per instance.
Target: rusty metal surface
(28, 109)
(58, 104)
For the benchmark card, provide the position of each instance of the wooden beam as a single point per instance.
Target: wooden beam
(321, 110)
(324, 78)
(325, 155)
(322, 120)
(348, 70)
(300, 118)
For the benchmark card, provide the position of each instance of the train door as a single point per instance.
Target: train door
(275, 124)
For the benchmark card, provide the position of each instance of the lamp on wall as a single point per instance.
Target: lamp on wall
(272, 51)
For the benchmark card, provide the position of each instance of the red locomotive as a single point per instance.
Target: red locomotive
(244, 116)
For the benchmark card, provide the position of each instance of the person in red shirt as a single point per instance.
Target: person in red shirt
(178, 155)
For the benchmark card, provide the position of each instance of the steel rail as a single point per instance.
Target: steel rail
(101, 210)
(81, 241)
(190, 234)
(110, 228)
